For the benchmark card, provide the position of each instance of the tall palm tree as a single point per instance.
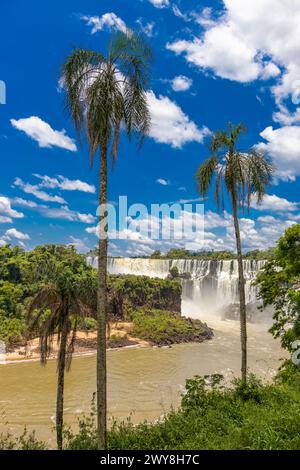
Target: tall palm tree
(65, 297)
(243, 175)
(105, 93)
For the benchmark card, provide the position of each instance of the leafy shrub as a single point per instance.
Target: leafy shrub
(11, 330)
(27, 441)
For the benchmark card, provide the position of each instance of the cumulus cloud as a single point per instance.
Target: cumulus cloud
(274, 203)
(181, 83)
(109, 21)
(233, 49)
(136, 239)
(65, 213)
(14, 233)
(283, 146)
(160, 3)
(37, 192)
(43, 134)
(169, 124)
(6, 211)
(65, 184)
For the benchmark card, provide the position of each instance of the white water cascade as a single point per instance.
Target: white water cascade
(211, 286)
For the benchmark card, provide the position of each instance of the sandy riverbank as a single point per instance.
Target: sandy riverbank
(86, 343)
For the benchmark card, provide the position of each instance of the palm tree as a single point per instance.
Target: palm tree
(65, 297)
(105, 93)
(243, 176)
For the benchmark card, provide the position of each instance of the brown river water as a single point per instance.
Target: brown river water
(144, 383)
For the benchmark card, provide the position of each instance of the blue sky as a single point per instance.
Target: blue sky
(214, 63)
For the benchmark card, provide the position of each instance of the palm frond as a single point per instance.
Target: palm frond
(78, 72)
(205, 174)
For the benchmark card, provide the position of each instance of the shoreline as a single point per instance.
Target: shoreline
(85, 345)
(88, 353)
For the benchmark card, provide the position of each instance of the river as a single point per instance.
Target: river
(142, 382)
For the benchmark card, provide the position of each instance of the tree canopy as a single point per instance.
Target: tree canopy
(279, 286)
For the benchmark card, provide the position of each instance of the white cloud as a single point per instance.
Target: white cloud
(169, 124)
(35, 191)
(19, 201)
(283, 145)
(219, 233)
(14, 233)
(66, 213)
(162, 182)
(177, 12)
(79, 244)
(222, 52)
(65, 184)
(181, 83)
(6, 211)
(258, 41)
(274, 203)
(204, 18)
(92, 230)
(160, 3)
(147, 28)
(5, 220)
(109, 20)
(42, 132)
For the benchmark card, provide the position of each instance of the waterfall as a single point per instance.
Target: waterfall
(210, 285)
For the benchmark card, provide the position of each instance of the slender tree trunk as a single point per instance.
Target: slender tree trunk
(102, 304)
(243, 314)
(60, 384)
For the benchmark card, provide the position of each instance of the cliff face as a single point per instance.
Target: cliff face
(128, 293)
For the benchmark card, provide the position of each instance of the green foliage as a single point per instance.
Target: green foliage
(242, 175)
(161, 327)
(11, 330)
(213, 255)
(67, 294)
(106, 93)
(27, 441)
(211, 418)
(156, 254)
(128, 293)
(279, 286)
(24, 274)
(174, 272)
(261, 254)
(87, 323)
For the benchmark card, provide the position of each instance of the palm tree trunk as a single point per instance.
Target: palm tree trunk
(60, 384)
(102, 304)
(243, 314)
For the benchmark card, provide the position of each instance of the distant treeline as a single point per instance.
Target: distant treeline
(179, 253)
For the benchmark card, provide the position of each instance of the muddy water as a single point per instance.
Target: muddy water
(141, 382)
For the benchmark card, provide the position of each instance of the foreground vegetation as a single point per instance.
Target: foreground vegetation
(211, 417)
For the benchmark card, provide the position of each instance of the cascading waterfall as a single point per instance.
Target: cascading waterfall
(210, 286)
